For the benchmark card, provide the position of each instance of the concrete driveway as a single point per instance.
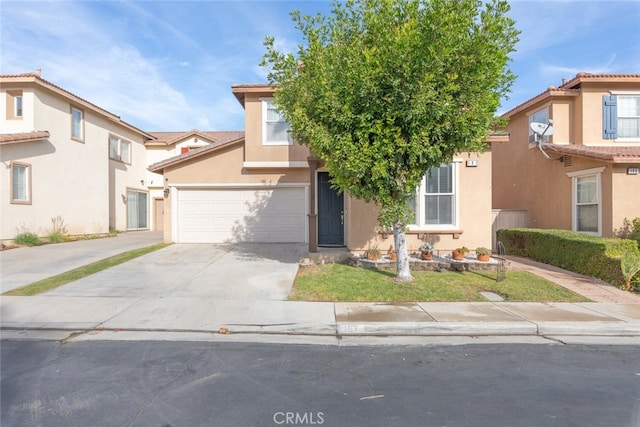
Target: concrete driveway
(233, 271)
(23, 266)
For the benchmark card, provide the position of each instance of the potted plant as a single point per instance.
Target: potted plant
(373, 253)
(483, 254)
(426, 251)
(393, 256)
(458, 253)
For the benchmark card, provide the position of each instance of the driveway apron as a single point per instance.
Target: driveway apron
(225, 271)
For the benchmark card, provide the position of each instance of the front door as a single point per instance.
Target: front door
(330, 213)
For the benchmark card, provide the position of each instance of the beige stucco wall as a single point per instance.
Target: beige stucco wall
(474, 204)
(69, 178)
(255, 151)
(625, 199)
(591, 119)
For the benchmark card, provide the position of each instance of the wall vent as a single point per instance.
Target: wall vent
(567, 161)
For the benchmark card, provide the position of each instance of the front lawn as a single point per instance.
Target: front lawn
(343, 283)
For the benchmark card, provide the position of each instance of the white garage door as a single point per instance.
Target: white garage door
(241, 215)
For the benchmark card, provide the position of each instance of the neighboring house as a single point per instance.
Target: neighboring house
(586, 176)
(264, 187)
(65, 157)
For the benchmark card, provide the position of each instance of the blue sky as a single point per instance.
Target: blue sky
(169, 65)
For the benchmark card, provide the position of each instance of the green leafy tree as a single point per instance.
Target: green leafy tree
(383, 90)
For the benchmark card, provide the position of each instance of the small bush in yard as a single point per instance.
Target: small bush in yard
(27, 238)
(58, 230)
(630, 230)
(630, 266)
(591, 255)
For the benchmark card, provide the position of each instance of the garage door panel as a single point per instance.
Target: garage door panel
(248, 215)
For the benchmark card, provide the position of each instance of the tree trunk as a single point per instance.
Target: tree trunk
(402, 263)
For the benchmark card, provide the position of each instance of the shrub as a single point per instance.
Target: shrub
(630, 266)
(585, 254)
(58, 230)
(630, 230)
(27, 238)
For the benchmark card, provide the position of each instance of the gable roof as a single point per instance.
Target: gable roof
(171, 138)
(36, 78)
(609, 154)
(572, 88)
(14, 138)
(159, 166)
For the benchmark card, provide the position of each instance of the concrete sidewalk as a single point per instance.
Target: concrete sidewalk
(189, 314)
(590, 287)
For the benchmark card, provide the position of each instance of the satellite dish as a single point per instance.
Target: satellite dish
(541, 129)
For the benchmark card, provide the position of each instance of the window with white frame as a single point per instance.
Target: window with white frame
(137, 209)
(275, 129)
(119, 149)
(436, 200)
(628, 116)
(20, 183)
(77, 124)
(540, 116)
(587, 209)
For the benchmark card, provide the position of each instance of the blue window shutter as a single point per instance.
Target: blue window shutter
(609, 117)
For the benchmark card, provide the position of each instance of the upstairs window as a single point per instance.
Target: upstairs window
(77, 124)
(540, 116)
(14, 105)
(17, 106)
(628, 116)
(119, 149)
(275, 129)
(621, 117)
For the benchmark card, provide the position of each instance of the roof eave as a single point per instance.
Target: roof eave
(35, 79)
(549, 93)
(172, 161)
(239, 90)
(26, 137)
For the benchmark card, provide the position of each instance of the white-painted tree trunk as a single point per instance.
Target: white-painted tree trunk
(402, 263)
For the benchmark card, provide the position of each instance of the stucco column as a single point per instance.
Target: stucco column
(313, 208)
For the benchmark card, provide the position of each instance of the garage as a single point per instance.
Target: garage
(260, 215)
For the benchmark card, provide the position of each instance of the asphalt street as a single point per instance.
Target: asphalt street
(117, 383)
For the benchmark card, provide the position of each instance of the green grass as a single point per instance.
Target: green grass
(78, 273)
(338, 282)
(27, 239)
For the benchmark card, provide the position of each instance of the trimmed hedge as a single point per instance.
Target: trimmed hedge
(591, 255)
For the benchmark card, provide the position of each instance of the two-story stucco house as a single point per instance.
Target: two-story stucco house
(585, 176)
(63, 156)
(264, 187)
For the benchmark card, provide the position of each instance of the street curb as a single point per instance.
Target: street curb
(372, 329)
(436, 328)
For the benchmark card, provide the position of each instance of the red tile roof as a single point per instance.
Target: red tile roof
(159, 166)
(609, 154)
(170, 138)
(14, 138)
(571, 88)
